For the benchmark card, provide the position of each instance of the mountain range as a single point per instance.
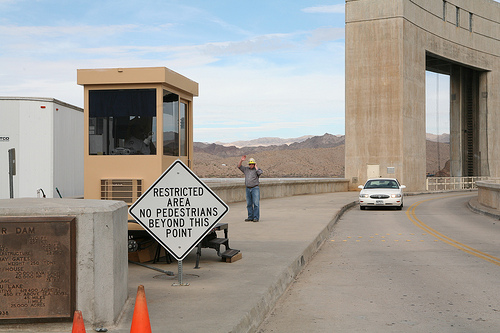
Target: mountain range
(266, 141)
(304, 157)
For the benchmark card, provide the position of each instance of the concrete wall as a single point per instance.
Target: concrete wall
(386, 46)
(489, 194)
(101, 253)
(233, 189)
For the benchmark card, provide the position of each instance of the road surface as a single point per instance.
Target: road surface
(432, 267)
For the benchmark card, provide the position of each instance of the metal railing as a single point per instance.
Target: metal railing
(454, 183)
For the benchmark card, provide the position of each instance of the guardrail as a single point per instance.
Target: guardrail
(233, 189)
(454, 183)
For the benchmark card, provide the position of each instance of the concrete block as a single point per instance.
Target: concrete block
(101, 250)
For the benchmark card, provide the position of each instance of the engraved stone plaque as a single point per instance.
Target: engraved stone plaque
(37, 269)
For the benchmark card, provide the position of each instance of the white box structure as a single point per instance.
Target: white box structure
(47, 136)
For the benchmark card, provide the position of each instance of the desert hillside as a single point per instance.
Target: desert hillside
(317, 156)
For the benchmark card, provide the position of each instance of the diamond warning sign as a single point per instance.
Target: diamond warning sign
(178, 210)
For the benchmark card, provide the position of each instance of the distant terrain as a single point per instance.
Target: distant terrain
(304, 157)
(265, 142)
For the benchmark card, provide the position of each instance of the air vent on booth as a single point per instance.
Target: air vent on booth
(128, 190)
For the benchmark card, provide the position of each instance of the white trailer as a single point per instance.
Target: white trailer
(47, 136)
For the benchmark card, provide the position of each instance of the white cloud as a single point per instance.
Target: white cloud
(263, 43)
(250, 86)
(34, 32)
(255, 101)
(258, 44)
(7, 2)
(321, 35)
(330, 9)
(230, 27)
(250, 101)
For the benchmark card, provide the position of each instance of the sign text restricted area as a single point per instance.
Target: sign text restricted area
(178, 210)
(178, 217)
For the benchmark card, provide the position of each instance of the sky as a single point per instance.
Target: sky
(264, 68)
(270, 68)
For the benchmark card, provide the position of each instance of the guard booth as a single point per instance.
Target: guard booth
(137, 122)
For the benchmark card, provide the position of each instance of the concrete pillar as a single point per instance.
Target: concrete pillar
(455, 122)
(484, 169)
(386, 46)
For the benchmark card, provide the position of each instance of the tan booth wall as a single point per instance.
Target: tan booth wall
(146, 168)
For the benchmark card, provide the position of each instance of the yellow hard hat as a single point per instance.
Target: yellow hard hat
(251, 161)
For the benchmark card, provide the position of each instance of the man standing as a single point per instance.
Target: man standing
(252, 174)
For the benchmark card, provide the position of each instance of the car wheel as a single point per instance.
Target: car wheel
(400, 207)
(362, 207)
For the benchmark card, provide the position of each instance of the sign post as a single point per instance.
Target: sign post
(12, 170)
(178, 211)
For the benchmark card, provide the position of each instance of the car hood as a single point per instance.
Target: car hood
(381, 190)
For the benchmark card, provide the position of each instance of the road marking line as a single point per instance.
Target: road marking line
(410, 213)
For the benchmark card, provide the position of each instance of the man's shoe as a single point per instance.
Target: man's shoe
(248, 220)
(256, 220)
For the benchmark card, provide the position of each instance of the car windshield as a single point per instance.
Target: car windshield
(381, 183)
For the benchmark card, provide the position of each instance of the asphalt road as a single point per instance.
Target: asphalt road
(432, 267)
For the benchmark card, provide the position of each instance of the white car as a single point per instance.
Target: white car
(381, 192)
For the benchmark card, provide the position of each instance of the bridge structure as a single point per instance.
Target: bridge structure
(390, 44)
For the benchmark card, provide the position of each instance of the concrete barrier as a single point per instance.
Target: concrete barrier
(489, 194)
(101, 250)
(233, 189)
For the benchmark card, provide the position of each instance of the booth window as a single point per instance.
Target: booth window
(174, 125)
(122, 122)
(182, 128)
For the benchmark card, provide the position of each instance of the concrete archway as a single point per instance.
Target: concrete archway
(389, 46)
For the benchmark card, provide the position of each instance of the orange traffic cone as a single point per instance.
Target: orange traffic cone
(140, 320)
(78, 325)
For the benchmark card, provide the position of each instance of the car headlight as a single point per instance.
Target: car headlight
(364, 196)
(396, 195)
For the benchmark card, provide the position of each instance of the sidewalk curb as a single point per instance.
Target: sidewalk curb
(478, 208)
(252, 320)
